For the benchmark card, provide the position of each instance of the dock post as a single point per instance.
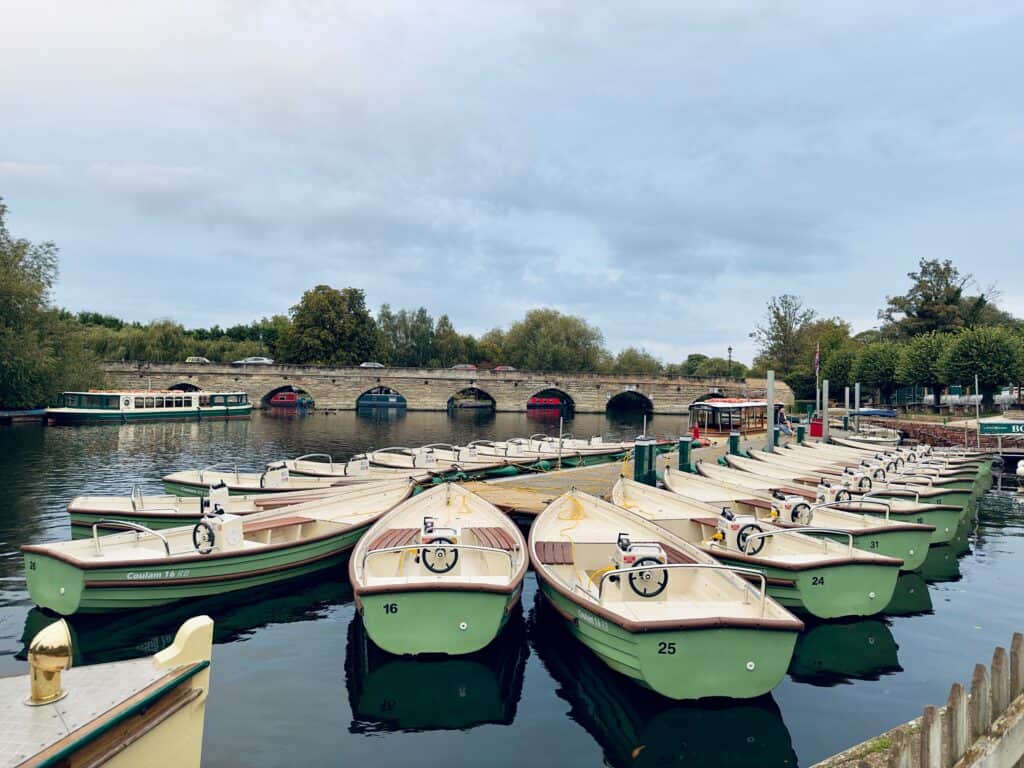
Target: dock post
(644, 467)
(734, 443)
(799, 434)
(856, 407)
(770, 398)
(775, 435)
(824, 410)
(846, 411)
(685, 465)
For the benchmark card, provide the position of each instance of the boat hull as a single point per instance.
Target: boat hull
(435, 620)
(945, 522)
(736, 662)
(909, 546)
(956, 498)
(173, 414)
(66, 589)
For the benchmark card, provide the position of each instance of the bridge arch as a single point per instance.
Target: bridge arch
(713, 392)
(472, 397)
(550, 398)
(287, 396)
(381, 397)
(185, 386)
(630, 400)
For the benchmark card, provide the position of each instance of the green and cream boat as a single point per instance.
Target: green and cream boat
(859, 483)
(275, 478)
(115, 406)
(221, 553)
(148, 711)
(805, 569)
(655, 609)
(167, 511)
(797, 508)
(356, 469)
(438, 574)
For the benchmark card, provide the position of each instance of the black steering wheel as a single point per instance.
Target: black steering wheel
(203, 537)
(801, 514)
(647, 583)
(439, 559)
(843, 495)
(744, 534)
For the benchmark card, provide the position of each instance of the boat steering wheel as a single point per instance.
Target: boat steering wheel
(744, 534)
(801, 514)
(203, 537)
(646, 583)
(439, 559)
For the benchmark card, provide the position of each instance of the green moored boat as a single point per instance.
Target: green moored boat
(823, 577)
(116, 406)
(439, 574)
(654, 608)
(220, 553)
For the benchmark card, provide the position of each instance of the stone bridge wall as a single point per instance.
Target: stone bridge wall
(430, 389)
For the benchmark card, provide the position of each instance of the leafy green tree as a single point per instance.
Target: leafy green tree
(877, 368)
(490, 349)
(719, 367)
(633, 360)
(936, 302)
(995, 355)
(331, 327)
(922, 362)
(839, 364)
(778, 338)
(450, 347)
(692, 362)
(547, 340)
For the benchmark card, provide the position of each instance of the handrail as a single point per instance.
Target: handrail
(330, 459)
(406, 547)
(802, 532)
(838, 504)
(215, 466)
(706, 566)
(136, 491)
(129, 526)
(443, 446)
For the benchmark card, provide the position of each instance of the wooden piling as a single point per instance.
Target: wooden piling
(980, 706)
(956, 727)
(1016, 665)
(1000, 682)
(931, 739)
(901, 753)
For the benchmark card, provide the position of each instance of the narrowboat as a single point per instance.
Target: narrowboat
(134, 404)
(290, 400)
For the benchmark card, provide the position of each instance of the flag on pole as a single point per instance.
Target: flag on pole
(817, 358)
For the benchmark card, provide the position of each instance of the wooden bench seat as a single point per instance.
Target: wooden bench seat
(757, 503)
(494, 536)
(675, 556)
(395, 537)
(278, 522)
(709, 521)
(554, 552)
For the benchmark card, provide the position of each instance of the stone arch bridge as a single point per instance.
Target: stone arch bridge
(427, 389)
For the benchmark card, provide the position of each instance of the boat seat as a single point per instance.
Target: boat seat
(809, 495)
(554, 552)
(709, 521)
(395, 537)
(675, 556)
(494, 536)
(278, 522)
(757, 503)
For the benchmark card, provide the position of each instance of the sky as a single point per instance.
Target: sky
(660, 168)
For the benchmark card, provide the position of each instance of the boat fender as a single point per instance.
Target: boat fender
(203, 537)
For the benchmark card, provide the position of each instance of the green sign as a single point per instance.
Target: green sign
(1002, 428)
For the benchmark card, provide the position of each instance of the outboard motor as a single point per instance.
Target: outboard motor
(830, 494)
(424, 457)
(513, 449)
(630, 554)
(217, 529)
(218, 498)
(274, 476)
(734, 531)
(791, 508)
(466, 452)
(436, 557)
(357, 466)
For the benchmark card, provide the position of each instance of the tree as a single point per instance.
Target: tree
(778, 338)
(692, 362)
(935, 301)
(877, 367)
(547, 340)
(995, 355)
(922, 363)
(450, 348)
(633, 360)
(839, 364)
(719, 367)
(331, 327)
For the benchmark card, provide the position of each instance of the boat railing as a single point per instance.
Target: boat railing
(859, 502)
(139, 530)
(802, 532)
(221, 465)
(136, 493)
(917, 496)
(470, 547)
(442, 446)
(673, 566)
(308, 456)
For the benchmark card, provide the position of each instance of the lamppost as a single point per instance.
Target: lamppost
(728, 375)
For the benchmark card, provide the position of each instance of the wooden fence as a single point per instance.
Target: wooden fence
(982, 730)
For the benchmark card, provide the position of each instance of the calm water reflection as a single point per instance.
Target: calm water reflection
(296, 681)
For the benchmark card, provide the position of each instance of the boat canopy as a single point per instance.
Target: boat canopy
(722, 415)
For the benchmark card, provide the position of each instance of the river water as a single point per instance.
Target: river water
(295, 682)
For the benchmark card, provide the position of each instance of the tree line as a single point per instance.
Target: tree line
(935, 335)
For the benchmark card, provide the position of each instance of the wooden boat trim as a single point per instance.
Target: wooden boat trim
(447, 586)
(833, 562)
(132, 714)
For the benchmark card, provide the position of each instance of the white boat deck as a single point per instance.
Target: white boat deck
(92, 691)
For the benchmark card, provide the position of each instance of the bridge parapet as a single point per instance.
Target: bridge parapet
(429, 389)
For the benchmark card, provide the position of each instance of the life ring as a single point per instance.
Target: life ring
(643, 582)
(203, 537)
(127, 402)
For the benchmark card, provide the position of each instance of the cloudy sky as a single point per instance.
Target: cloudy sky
(661, 168)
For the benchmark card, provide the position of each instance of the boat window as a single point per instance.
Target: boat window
(149, 402)
(179, 402)
(216, 399)
(188, 402)
(204, 400)
(140, 402)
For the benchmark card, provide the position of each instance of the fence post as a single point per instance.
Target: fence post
(901, 753)
(980, 706)
(931, 739)
(1000, 682)
(957, 726)
(1016, 665)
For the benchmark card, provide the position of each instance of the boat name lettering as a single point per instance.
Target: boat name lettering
(148, 575)
(593, 620)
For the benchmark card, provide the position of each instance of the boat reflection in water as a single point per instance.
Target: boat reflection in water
(835, 652)
(130, 634)
(910, 598)
(435, 692)
(636, 727)
(940, 565)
